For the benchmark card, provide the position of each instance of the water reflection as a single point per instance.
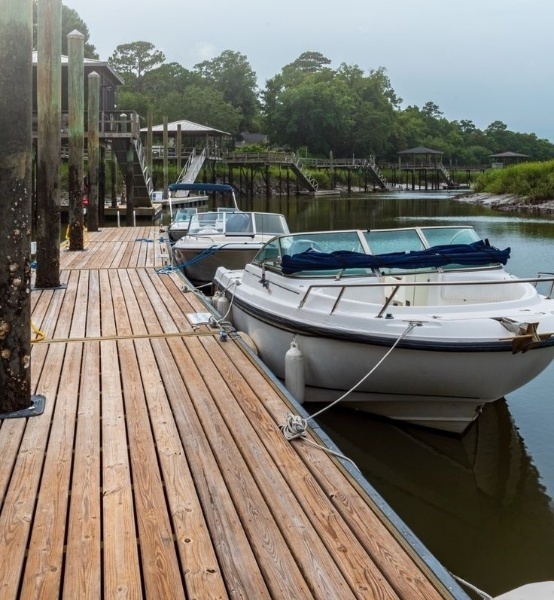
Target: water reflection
(476, 502)
(396, 209)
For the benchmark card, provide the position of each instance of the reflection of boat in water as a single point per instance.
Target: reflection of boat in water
(476, 502)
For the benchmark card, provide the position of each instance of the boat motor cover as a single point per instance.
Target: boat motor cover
(479, 253)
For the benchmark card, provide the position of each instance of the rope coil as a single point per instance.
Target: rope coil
(295, 426)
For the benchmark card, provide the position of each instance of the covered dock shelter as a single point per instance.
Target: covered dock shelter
(182, 136)
(423, 168)
(503, 159)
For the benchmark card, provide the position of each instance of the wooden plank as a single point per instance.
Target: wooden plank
(126, 258)
(346, 555)
(184, 302)
(161, 577)
(120, 551)
(83, 560)
(203, 576)
(69, 259)
(364, 517)
(101, 254)
(18, 508)
(276, 562)
(44, 567)
(138, 249)
(157, 304)
(231, 544)
(118, 254)
(17, 513)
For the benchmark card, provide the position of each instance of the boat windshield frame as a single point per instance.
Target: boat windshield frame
(369, 242)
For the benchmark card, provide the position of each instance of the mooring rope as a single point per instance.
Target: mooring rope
(223, 293)
(483, 595)
(411, 325)
(296, 426)
(207, 252)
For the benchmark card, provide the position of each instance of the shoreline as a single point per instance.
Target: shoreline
(508, 202)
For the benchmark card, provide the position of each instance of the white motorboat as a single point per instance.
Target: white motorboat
(420, 324)
(179, 226)
(227, 237)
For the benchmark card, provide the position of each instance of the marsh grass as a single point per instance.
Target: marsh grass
(533, 181)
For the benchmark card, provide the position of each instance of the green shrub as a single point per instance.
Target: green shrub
(532, 180)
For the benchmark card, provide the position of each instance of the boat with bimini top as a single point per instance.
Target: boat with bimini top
(226, 237)
(180, 222)
(419, 324)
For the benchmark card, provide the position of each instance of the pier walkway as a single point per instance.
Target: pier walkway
(159, 470)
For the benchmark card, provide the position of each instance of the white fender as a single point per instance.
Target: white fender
(294, 371)
(221, 304)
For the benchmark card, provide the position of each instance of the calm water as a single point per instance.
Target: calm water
(482, 504)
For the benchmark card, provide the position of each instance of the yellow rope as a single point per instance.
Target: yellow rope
(40, 334)
(148, 336)
(65, 243)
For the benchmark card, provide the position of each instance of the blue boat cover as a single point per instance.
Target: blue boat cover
(201, 187)
(479, 253)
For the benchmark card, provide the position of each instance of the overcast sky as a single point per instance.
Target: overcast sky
(480, 60)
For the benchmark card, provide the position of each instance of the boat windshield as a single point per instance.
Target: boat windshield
(270, 223)
(206, 223)
(384, 241)
(184, 214)
(440, 236)
(237, 223)
(322, 242)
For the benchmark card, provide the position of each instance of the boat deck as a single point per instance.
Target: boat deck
(158, 468)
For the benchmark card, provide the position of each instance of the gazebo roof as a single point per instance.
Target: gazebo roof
(420, 150)
(509, 155)
(187, 128)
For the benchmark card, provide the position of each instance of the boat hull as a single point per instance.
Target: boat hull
(436, 386)
(199, 264)
(176, 233)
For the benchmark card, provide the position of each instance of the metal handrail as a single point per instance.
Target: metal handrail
(398, 284)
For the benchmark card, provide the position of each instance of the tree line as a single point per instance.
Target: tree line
(308, 105)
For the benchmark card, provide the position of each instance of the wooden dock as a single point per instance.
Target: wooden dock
(159, 470)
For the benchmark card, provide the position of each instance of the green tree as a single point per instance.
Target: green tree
(291, 75)
(71, 21)
(232, 75)
(165, 79)
(375, 112)
(430, 109)
(319, 114)
(309, 62)
(209, 107)
(133, 61)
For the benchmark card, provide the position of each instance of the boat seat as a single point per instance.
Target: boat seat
(238, 223)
